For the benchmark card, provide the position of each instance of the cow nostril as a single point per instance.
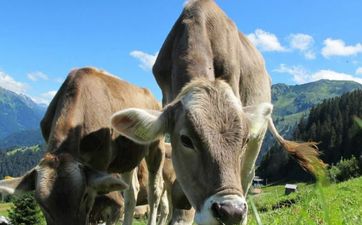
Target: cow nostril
(216, 210)
(245, 208)
(229, 213)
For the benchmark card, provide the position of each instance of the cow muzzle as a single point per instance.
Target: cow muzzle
(224, 209)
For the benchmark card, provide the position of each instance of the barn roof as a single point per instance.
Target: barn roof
(291, 186)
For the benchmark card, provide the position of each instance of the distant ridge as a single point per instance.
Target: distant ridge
(292, 102)
(18, 113)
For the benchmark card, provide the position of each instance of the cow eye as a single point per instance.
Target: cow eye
(186, 141)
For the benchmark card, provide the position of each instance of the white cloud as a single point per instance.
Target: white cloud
(34, 76)
(332, 75)
(337, 47)
(359, 70)
(59, 80)
(303, 43)
(300, 75)
(188, 2)
(147, 60)
(49, 94)
(9, 83)
(266, 41)
(44, 98)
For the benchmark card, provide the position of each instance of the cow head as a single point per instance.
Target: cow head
(64, 188)
(209, 132)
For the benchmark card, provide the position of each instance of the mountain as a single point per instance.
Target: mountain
(293, 102)
(18, 113)
(21, 139)
(332, 123)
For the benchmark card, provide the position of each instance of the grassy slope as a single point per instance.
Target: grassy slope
(4, 209)
(336, 204)
(333, 205)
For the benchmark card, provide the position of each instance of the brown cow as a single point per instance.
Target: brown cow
(81, 142)
(172, 195)
(107, 209)
(174, 207)
(216, 93)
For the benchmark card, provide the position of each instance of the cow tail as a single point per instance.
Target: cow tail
(306, 153)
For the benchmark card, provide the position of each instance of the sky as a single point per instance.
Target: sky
(41, 40)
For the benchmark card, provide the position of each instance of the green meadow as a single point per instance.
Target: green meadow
(334, 204)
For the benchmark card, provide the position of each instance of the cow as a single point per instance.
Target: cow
(107, 208)
(217, 108)
(174, 208)
(83, 149)
(172, 195)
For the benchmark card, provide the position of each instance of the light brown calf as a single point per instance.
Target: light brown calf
(216, 97)
(107, 209)
(83, 149)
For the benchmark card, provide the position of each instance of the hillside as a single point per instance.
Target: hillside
(21, 139)
(18, 113)
(335, 204)
(292, 102)
(15, 162)
(332, 124)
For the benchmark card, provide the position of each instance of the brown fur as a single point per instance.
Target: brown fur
(307, 155)
(204, 43)
(77, 120)
(107, 208)
(83, 149)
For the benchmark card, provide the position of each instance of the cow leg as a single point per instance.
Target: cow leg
(182, 216)
(155, 160)
(116, 214)
(130, 196)
(247, 170)
(164, 208)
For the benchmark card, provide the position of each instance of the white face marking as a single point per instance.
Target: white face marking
(192, 98)
(45, 180)
(205, 215)
(233, 99)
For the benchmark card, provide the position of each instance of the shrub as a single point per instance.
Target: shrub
(344, 170)
(25, 211)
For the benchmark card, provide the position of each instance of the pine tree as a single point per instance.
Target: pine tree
(330, 123)
(25, 211)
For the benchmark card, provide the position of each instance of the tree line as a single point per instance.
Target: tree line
(16, 162)
(333, 125)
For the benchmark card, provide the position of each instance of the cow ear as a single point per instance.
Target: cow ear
(258, 116)
(19, 185)
(139, 125)
(104, 183)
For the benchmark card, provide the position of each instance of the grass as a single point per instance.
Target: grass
(336, 204)
(4, 209)
(34, 148)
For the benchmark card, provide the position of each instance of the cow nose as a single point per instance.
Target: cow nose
(229, 213)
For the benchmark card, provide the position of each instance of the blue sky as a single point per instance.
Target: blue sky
(41, 41)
